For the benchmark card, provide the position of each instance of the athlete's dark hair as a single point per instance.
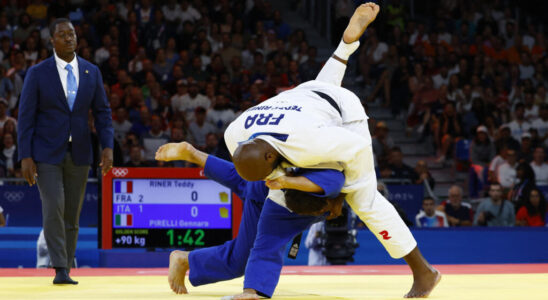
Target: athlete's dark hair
(303, 203)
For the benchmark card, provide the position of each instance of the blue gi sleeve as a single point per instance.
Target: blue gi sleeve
(225, 173)
(331, 181)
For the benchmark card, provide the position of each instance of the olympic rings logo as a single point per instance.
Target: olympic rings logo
(119, 172)
(14, 196)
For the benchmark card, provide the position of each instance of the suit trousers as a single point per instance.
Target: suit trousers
(62, 188)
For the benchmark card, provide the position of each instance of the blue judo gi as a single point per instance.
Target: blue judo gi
(265, 229)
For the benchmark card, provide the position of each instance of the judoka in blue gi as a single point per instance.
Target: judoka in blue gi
(321, 125)
(265, 228)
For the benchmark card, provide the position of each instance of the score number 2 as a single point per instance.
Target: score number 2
(187, 239)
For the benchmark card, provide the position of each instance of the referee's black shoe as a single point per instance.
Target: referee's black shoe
(62, 277)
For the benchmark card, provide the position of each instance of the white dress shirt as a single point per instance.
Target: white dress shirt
(61, 64)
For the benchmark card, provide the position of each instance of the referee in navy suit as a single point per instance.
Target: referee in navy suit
(55, 141)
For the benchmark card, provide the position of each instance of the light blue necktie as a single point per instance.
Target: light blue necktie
(72, 87)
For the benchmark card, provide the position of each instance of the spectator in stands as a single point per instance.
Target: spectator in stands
(506, 173)
(398, 169)
(177, 100)
(525, 177)
(449, 128)
(309, 69)
(540, 167)
(221, 115)
(474, 116)
(8, 156)
(519, 124)
(121, 124)
(212, 143)
(161, 66)
(457, 212)
(153, 139)
(429, 216)
(541, 124)
(3, 113)
(102, 54)
(136, 158)
(196, 71)
(23, 30)
(373, 56)
(142, 122)
(495, 211)
(533, 212)
(423, 174)
(382, 143)
(482, 149)
(192, 100)
(531, 110)
(6, 86)
(189, 13)
(505, 139)
(199, 128)
(2, 218)
(526, 150)
(10, 127)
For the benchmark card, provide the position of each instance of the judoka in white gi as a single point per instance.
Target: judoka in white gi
(322, 125)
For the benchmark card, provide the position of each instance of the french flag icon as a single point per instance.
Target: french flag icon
(123, 187)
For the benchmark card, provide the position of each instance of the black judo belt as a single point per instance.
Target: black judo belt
(330, 100)
(297, 240)
(295, 246)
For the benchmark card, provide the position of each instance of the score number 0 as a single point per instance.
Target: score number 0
(194, 209)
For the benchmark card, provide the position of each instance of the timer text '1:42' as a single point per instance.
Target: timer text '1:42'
(192, 237)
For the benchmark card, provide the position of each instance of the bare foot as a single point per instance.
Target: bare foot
(424, 284)
(174, 151)
(178, 265)
(362, 17)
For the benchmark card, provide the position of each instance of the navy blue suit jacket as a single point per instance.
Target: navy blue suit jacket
(45, 121)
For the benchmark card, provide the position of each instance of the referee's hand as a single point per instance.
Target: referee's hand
(28, 168)
(106, 161)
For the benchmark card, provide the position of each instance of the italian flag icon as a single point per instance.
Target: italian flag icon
(124, 219)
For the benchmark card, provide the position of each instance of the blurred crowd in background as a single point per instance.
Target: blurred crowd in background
(468, 77)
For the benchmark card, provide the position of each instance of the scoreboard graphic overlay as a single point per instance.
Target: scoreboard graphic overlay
(166, 208)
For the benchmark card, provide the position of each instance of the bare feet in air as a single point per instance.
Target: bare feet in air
(178, 265)
(174, 151)
(362, 17)
(424, 284)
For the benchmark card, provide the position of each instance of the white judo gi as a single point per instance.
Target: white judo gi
(310, 132)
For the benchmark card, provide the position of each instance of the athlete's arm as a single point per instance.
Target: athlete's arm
(181, 151)
(300, 183)
(215, 168)
(320, 182)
